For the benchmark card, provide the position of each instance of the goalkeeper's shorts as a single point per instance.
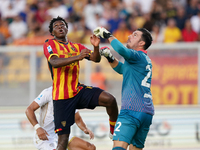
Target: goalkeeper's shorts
(136, 122)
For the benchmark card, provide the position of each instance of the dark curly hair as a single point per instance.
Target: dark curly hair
(54, 20)
(146, 37)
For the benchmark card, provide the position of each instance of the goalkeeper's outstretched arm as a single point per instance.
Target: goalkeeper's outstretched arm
(114, 63)
(100, 31)
(116, 44)
(117, 66)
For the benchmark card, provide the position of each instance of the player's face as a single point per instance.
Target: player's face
(134, 39)
(59, 29)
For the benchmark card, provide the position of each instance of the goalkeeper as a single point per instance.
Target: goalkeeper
(137, 108)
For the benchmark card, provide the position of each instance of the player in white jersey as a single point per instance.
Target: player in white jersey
(45, 138)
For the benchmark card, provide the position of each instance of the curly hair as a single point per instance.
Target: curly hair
(54, 20)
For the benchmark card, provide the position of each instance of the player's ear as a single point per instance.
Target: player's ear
(52, 34)
(142, 43)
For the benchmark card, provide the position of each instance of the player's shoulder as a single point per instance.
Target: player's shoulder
(44, 97)
(72, 43)
(49, 40)
(47, 90)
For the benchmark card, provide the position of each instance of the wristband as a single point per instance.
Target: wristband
(110, 59)
(36, 126)
(107, 35)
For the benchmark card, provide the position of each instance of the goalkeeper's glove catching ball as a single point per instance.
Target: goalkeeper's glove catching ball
(105, 51)
(100, 31)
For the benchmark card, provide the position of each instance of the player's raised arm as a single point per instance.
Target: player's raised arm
(100, 31)
(30, 113)
(114, 63)
(95, 56)
(80, 123)
(116, 44)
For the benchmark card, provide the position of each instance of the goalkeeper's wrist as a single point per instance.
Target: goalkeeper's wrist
(107, 35)
(110, 59)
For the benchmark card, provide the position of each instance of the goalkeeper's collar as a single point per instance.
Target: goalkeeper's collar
(144, 51)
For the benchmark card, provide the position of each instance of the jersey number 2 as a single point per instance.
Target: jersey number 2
(144, 81)
(118, 126)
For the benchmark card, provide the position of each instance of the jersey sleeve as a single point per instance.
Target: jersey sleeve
(120, 48)
(49, 49)
(128, 54)
(119, 68)
(81, 47)
(44, 97)
(134, 56)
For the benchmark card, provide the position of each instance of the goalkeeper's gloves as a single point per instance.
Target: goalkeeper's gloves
(105, 51)
(100, 31)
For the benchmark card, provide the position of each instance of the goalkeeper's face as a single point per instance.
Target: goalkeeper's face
(134, 40)
(59, 29)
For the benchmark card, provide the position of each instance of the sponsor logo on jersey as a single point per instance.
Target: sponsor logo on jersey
(73, 49)
(49, 49)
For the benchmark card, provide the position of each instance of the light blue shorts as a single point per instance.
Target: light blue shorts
(132, 127)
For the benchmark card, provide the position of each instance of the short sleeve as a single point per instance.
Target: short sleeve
(81, 47)
(49, 49)
(44, 97)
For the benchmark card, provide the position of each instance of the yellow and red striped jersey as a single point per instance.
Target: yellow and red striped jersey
(65, 79)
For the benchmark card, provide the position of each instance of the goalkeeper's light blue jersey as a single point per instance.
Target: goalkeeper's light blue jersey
(137, 74)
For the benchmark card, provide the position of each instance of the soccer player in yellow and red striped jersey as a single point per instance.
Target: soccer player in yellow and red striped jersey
(65, 77)
(68, 94)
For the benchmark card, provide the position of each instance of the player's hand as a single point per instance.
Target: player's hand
(95, 40)
(105, 51)
(100, 31)
(85, 53)
(42, 134)
(87, 131)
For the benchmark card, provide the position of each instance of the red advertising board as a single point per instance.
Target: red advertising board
(174, 77)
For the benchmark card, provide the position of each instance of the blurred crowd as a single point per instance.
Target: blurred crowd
(26, 22)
